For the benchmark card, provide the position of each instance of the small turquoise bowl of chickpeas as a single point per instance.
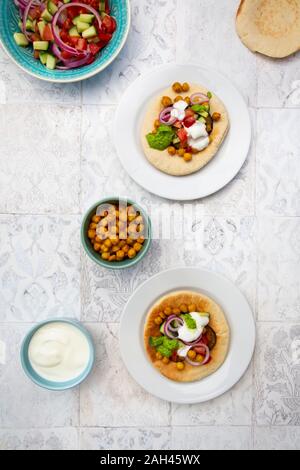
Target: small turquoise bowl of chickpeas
(116, 233)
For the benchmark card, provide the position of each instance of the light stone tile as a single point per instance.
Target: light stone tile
(277, 438)
(209, 39)
(232, 408)
(157, 438)
(151, 42)
(278, 82)
(211, 438)
(277, 376)
(22, 403)
(21, 88)
(39, 267)
(278, 169)
(39, 439)
(279, 269)
(110, 397)
(40, 159)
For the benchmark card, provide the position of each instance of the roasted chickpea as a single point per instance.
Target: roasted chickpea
(115, 240)
(104, 249)
(177, 87)
(108, 243)
(187, 157)
(93, 226)
(181, 152)
(112, 258)
(166, 360)
(122, 243)
(183, 308)
(156, 124)
(126, 248)
(192, 308)
(162, 315)
(96, 218)
(158, 320)
(216, 116)
(129, 241)
(97, 246)
(185, 86)
(120, 255)
(166, 101)
(131, 253)
(187, 99)
(105, 256)
(158, 355)
(167, 311)
(192, 354)
(137, 246)
(141, 240)
(171, 150)
(176, 311)
(199, 358)
(180, 365)
(91, 234)
(178, 98)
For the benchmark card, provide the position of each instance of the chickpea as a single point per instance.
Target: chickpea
(93, 226)
(156, 124)
(115, 249)
(192, 308)
(176, 311)
(166, 101)
(126, 248)
(171, 150)
(181, 152)
(183, 308)
(97, 239)
(162, 315)
(199, 358)
(114, 240)
(177, 88)
(187, 99)
(120, 255)
(97, 246)
(185, 86)
(187, 157)
(137, 246)
(91, 234)
(180, 365)
(158, 355)
(192, 354)
(105, 256)
(178, 98)
(131, 253)
(112, 258)
(167, 311)
(96, 218)
(104, 249)
(216, 116)
(108, 243)
(122, 243)
(158, 320)
(129, 241)
(141, 240)
(166, 360)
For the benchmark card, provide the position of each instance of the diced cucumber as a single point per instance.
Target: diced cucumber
(40, 45)
(202, 119)
(76, 19)
(86, 18)
(162, 327)
(67, 1)
(52, 8)
(29, 25)
(46, 16)
(21, 39)
(73, 32)
(204, 114)
(102, 5)
(41, 27)
(89, 33)
(43, 57)
(20, 24)
(51, 62)
(176, 140)
(82, 26)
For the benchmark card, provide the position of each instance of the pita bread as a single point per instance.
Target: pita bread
(271, 27)
(175, 165)
(217, 322)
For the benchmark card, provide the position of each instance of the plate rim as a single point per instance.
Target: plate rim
(223, 389)
(227, 180)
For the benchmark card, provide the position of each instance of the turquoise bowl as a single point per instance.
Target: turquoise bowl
(23, 57)
(126, 263)
(50, 385)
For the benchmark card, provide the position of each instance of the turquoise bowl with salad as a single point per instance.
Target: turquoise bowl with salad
(63, 40)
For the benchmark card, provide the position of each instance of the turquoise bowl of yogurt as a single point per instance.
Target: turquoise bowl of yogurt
(58, 354)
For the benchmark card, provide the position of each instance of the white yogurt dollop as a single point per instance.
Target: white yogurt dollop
(58, 351)
(191, 334)
(197, 136)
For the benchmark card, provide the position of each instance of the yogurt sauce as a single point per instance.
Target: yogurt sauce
(58, 351)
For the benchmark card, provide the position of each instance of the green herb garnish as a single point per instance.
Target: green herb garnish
(164, 345)
(209, 94)
(190, 322)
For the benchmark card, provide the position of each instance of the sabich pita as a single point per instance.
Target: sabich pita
(175, 165)
(217, 322)
(271, 27)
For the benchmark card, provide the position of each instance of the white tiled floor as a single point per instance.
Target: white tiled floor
(57, 158)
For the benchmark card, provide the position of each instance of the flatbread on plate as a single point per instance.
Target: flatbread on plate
(175, 165)
(217, 322)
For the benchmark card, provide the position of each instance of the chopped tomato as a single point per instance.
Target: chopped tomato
(95, 48)
(67, 55)
(204, 340)
(73, 40)
(108, 24)
(174, 356)
(177, 124)
(47, 33)
(35, 37)
(104, 37)
(182, 135)
(200, 349)
(92, 3)
(72, 12)
(35, 13)
(189, 113)
(36, 54)
(67, 24)
(107, 9)
(81, 44)
(189, 149)
(64, 36)
(189, 121)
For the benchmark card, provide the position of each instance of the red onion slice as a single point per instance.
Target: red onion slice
(199, 98)
(72, 64)
(167, 324)
(166, 118)
(196, 363)
(26, 13)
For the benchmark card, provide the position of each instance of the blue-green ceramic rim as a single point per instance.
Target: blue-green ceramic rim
(23, 57)
(50, 385)
(128, 263)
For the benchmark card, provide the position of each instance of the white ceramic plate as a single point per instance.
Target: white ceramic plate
(219, 171)
(239, 317)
